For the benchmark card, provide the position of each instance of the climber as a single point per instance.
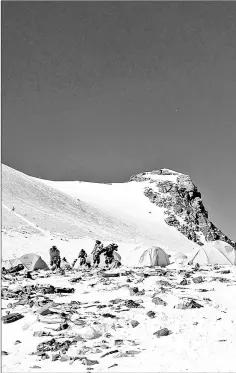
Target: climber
(82, 257)
(97, 251)
(55, 259)
(109, 253)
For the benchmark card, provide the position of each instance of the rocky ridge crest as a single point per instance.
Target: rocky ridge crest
(183, 205)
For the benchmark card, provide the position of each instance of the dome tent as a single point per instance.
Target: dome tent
(154, 256)
(179, 258)
(214, 252)
(29, 261)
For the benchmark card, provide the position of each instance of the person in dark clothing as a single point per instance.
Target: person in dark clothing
(109, 253)
(82, 257)
(97, 251)
(55, 259)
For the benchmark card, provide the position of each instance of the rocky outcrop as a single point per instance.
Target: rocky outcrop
(139, 177)
(183, 206)
(144, 176)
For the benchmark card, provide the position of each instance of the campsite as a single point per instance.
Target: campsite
(115, 320)
(118, 183)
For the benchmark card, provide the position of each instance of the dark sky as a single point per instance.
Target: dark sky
(98, 91)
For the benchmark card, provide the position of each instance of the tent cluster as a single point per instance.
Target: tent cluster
(215, 252)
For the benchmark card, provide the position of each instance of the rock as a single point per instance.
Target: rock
(134, 323)
(65, 358)
(128, 353)
(133, 290)
(184, 282)
(4, 353)
(76, 279)
(109, 315)
(86, 361)
(131, 304)
(225, 272)
(198, 280)
(101, 306)
(119, 342)
(181, 199)
(56, 357)
(42, 334)
(62, 327)
(12, 317)
(188, 305)
(162, 332)
(151, 314)
(17, 342)
(116, 301)
(112, 366)
(159, 302)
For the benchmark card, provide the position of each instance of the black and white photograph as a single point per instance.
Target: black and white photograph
(118, 186)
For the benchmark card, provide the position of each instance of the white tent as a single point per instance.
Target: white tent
(179, 258)
(154, 256)
(30, 261)
(214, 252)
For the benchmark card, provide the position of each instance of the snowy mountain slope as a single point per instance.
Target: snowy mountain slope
(49, 211)
(127, 202)
(152, 200)
(118, 212)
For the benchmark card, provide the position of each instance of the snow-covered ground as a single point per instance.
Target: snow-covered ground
(72, 215)
(201, 339)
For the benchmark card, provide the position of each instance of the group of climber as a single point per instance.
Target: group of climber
(108, 252)
(99, 248)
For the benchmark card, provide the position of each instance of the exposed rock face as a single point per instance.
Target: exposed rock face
(183, 205)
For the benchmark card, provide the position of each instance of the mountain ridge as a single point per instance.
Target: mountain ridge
(162, 206)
